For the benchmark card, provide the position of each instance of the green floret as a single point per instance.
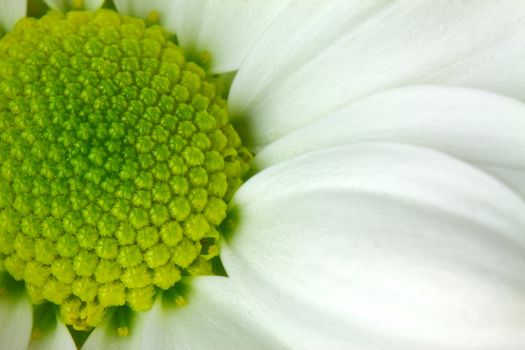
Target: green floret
(117, 161)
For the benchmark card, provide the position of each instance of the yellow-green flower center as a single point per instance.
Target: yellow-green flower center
(117, 160)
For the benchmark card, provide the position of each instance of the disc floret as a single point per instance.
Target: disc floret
(117, 162)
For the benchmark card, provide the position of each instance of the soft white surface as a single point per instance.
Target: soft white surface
(140, 8)
(58, 338)
(482, 128)
(10, 12)
(16, 320)
(318, 56)
(215, 317)
(105, 337)
(227, 29)
(64, 5)
(379, 246)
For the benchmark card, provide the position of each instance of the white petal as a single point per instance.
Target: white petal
(514, 178)
(93, 4)
(479, 127)
(140, 8)
(215, 317)
(16, 319)
(10, 12)
(56, 338)
(382, 246)
(64, 5)
(227, 29)
(105, 336)
(56, 4)
(318, 56)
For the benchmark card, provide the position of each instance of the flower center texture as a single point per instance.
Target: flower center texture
(117, 162)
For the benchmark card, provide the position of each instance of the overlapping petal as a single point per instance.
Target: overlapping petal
(106, 337)
(63, 5)
(316, 57)
(58, 337)
(371, 246)
(482, 128)
(227, 29)
(378, 246)
(143, 9)
(10, 12)
(215, 318)
(16, 318)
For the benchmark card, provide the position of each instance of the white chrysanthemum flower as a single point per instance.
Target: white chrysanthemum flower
(388, 206)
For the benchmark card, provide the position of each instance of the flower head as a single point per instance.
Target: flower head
(379, 214)
(118, 157)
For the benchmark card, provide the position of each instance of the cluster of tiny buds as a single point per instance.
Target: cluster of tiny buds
(117, 161)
